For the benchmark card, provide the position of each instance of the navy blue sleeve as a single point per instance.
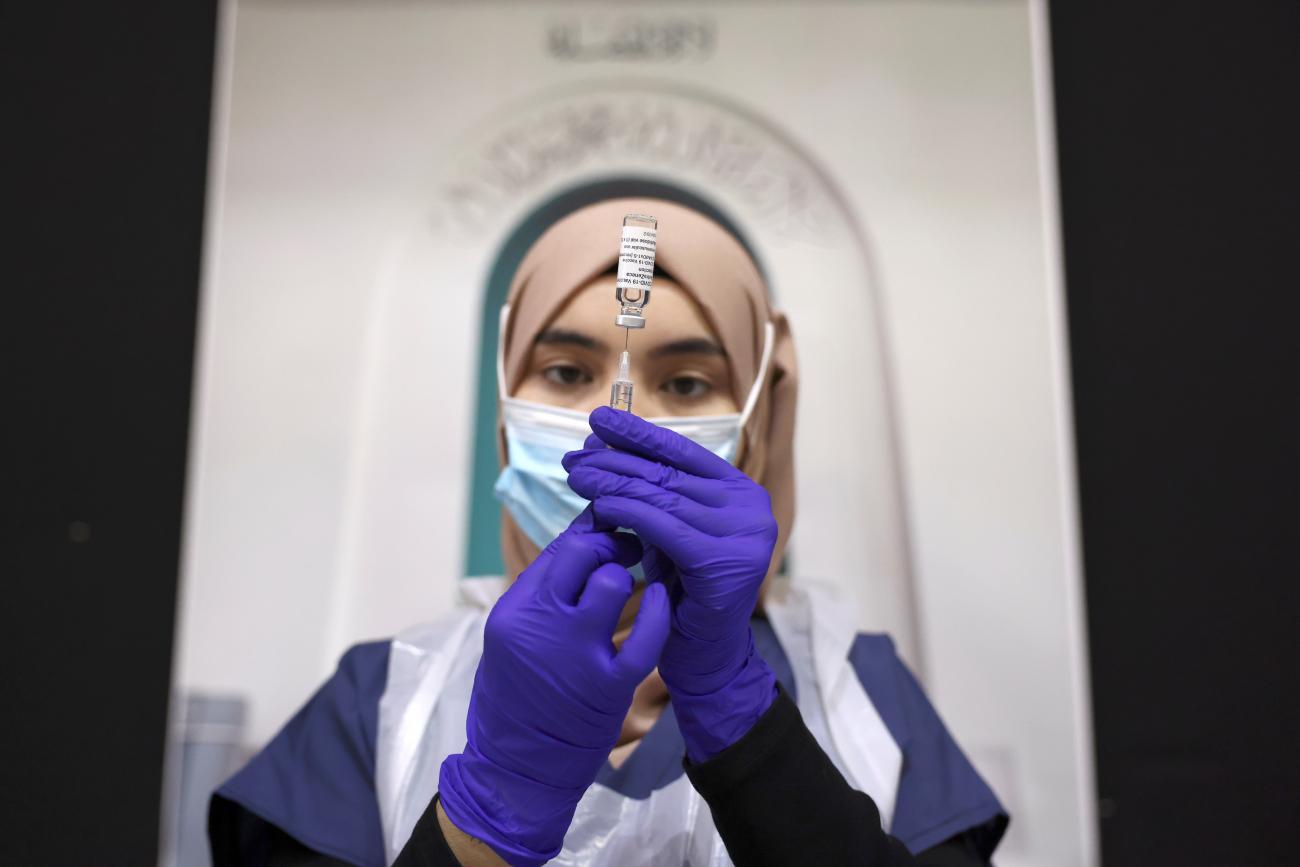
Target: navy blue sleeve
(940, 794)
(315, 780)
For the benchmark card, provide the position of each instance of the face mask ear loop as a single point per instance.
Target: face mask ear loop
(501, 352)
(756, 390)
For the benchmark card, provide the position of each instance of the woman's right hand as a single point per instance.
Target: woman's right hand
(551, 692)
(709, 533)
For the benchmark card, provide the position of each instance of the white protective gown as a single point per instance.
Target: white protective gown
(424, 705)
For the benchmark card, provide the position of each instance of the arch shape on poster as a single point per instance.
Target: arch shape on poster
(423, 467)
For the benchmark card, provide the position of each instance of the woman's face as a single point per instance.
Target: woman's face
(678, 364)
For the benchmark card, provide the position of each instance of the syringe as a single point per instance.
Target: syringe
(620, 393)
(636, 267)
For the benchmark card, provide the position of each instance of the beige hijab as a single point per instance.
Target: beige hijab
(714, 268)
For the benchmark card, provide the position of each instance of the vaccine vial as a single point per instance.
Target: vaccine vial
(636, 268)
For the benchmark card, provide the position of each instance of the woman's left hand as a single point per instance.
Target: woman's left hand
(551, 692)
(710, 536)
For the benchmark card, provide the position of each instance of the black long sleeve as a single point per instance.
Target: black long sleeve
(427, 847)
(776, 798)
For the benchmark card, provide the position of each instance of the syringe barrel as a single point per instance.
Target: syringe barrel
(620, 395)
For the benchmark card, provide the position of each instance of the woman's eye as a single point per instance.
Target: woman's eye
(566, 375)
(687, 387)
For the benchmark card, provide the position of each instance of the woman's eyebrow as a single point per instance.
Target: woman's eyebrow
(689, 346)
(572, 338)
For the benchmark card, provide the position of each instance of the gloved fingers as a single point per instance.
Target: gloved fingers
(645, 643)
(622, 430)
(592, 482)
(657, 566)
(607, 591)
(536, 571)
(585, 523)
(706, 491)
(679, 540)
(577, 556)
(660, 569)
(593, 442)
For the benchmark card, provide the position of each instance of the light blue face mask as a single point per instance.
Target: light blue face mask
(534, 485)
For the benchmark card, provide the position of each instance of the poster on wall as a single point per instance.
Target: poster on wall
(379, 171)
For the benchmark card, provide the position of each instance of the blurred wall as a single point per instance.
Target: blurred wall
(342, 125)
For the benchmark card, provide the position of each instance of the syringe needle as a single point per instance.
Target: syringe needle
(627, 332)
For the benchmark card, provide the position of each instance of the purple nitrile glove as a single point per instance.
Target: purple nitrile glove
(709, 535)
(551, 692)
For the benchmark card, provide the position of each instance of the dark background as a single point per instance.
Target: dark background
(1180, 179)
(105, 131)
(1177, 147)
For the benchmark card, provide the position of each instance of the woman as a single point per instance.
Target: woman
(578, 716)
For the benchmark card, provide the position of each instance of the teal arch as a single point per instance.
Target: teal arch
(483, 545)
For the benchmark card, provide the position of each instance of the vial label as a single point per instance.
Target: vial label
(636, 261)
